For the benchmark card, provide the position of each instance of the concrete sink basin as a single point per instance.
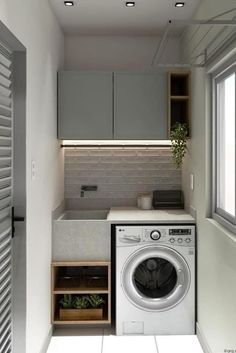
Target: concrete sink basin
(84, 215)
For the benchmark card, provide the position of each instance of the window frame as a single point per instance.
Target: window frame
(219, 214)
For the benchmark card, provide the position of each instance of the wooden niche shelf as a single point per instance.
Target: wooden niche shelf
(79, 279)
(179, 99)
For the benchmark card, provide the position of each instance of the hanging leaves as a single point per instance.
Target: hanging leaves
(179, 138)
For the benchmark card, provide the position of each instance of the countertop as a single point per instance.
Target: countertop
(132, 214)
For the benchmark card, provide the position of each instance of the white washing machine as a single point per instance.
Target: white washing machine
(155, 280)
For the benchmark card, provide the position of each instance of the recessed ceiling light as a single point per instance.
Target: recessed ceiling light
(179, 4)
(130, 3)
(69, 3)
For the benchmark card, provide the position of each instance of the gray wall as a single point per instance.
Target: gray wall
(216, 245)
(119, 173)
(116, 52)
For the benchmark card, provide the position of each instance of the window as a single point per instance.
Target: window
(224, 182)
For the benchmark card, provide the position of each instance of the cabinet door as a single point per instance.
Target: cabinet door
(85, 105)
(140, 106)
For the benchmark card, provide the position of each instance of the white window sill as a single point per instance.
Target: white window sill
(223, 229)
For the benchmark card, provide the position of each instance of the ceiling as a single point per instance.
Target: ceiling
(112, 17)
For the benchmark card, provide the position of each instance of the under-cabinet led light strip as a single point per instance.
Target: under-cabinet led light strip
(116, 143)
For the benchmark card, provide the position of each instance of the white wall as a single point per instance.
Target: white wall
(33, 23)
(19, 202)
(216, 246)
(115, 52)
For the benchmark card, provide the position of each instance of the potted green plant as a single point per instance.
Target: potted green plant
(67, 301)
(82, 307)
(179, 138)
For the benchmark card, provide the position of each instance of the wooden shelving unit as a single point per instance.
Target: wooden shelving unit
(87, 277)
(179, 99)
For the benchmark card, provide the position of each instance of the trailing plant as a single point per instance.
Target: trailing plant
(179, 138)
(67, 301)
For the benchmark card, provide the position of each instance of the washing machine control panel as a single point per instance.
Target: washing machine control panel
(172, 235)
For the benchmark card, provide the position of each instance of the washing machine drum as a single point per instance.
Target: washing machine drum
(155, 278)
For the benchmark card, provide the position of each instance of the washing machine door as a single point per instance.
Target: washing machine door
(155, 278)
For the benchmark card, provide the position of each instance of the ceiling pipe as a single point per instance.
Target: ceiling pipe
(161, 45)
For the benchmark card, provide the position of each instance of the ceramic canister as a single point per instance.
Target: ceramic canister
(146, 201)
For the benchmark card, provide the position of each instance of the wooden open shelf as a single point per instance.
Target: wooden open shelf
(179, 99)
(91, 277)
(85, 285)
(104, 320)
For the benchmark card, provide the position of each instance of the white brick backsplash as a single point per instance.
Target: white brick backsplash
(119, 173)
(118, 166)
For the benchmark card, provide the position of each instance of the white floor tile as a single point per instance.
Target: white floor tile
(127, 344)
(81, 344)
(78, 331)
(178, 344)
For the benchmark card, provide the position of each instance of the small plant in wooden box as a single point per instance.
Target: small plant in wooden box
(82, 307)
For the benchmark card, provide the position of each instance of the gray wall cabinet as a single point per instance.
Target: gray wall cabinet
(120, 106)
(85, 105)
(140, 106)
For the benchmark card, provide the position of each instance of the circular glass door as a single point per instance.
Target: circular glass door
(155, 278)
